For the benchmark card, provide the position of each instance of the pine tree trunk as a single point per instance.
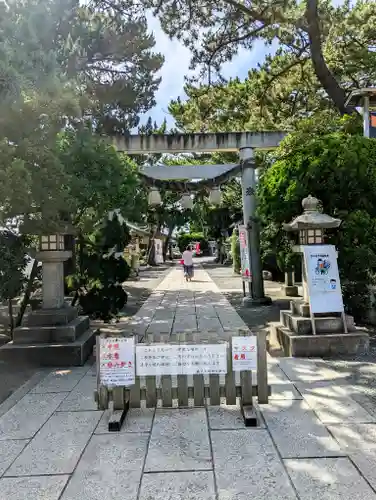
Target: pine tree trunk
(167, 241)
(323, 73)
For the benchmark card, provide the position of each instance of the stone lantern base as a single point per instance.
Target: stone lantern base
(52, 338)
(295, 337)
(54, 335)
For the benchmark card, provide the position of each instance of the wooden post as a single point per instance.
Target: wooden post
(246, 402)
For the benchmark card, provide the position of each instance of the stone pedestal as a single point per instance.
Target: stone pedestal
(54, 335)
(291, 290)
(295, 336)
(53, 277)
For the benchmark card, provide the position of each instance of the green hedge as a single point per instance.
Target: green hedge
(185, 239)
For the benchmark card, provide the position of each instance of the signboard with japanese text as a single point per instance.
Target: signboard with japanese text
(158, 248)
(116, 361)
(323, 282)
(244, 254)
(244, 353)
(170, 359)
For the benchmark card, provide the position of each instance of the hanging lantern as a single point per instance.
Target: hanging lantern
(215, 196)
(154, 198)
(186, 201)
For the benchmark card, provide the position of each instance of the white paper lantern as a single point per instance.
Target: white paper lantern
(215, 196)
(154, 198)
(186, 201)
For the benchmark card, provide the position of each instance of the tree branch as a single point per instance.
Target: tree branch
(323, 73)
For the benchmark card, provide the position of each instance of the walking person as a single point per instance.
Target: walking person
(187, 258)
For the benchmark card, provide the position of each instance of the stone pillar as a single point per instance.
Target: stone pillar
(291, 290)
(256, 288)
(53, 277)
(304, 282)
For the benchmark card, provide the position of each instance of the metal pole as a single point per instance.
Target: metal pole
(256, 292)
(366, 117)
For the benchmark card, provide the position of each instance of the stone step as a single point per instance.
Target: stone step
(300, 308)
(312, 346)
(46, 334)
(51, 317)
(53, 353)
(324, 325)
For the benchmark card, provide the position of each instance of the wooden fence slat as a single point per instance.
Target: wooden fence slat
(118, 397)
(230, 379)
(246, 381)
(166, 391)
(183, 390)
(198, 390)
(103, 397)
(135, 396)
(151, 395)
(262, 368)
(214, 390)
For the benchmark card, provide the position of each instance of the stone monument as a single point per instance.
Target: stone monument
(317, 324)
(54, 335)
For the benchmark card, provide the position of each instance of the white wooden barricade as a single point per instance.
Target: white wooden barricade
(181, 391)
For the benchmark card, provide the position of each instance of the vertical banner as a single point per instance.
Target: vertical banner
(323, 282)
(372, 124)
(244, 255)
(158, 248)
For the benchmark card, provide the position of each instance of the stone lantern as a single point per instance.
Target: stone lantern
(52, 254)
(55, 332)
(310, 225)
(317, 325)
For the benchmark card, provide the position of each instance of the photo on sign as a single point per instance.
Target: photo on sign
(323, 279)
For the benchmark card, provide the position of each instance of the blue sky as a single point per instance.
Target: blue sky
(176, 66)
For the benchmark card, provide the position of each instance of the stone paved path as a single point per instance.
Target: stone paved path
(315, 441)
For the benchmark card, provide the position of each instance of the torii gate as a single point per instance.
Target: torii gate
(244, 143)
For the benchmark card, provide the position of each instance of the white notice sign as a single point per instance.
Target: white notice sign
(169, 359)
(117, 366)
(244, 353)
(323, 282)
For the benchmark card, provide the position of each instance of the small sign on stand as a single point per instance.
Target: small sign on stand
(244, 353)
(116, 368)
(117, 361)
(325, 294)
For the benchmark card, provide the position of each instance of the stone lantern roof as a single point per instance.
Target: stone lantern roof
(312, 218)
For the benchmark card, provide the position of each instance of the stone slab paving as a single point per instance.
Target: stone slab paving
(32, 488)
(315, 439)
(247, 465)
(297, 432)
(196, 485)
(328, 479)
(179, 441)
